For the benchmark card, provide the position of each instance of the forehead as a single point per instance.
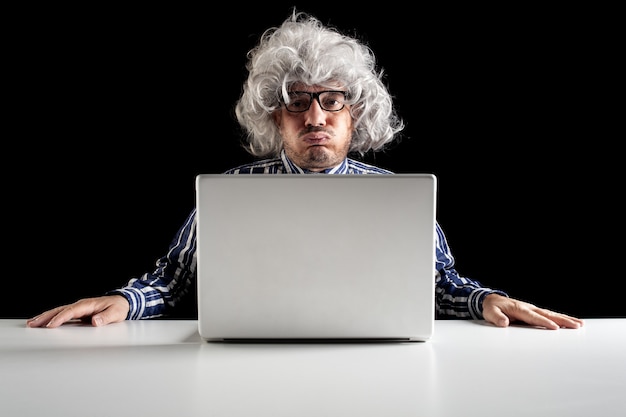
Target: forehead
(332, 85)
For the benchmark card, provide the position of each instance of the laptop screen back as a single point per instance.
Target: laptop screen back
(316, 256)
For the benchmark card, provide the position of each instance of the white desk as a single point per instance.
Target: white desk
(162, 368)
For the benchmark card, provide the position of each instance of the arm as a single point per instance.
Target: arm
(456, 296)
(459, 297)
(151, 295)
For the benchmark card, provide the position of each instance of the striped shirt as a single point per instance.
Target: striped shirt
(158, 293)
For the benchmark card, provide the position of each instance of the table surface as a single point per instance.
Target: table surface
(163, 368)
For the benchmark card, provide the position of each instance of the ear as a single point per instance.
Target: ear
(277, 116)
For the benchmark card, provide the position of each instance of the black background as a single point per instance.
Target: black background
(112, 112)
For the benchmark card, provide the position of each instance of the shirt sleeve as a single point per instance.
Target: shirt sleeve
(456, 296)
(154, 294)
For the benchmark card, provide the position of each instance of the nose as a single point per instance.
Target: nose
(315, 115)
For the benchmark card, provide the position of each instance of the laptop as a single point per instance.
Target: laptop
(316, 257)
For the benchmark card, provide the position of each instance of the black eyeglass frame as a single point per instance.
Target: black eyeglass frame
(316, 96)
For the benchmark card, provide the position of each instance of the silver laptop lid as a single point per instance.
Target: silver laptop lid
(316, 256)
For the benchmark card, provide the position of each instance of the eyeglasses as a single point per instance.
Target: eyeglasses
(300, 101)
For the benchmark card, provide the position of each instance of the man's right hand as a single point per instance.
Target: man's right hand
(99, 311)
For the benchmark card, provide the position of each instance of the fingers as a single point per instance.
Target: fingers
(44, 318)
(116, 310)
(562, 320)
(57, 316)
(542, 317)
(98, 311)
(501, 311)
(496, 317)
(500, 318)
(73, 311)
(535, 319)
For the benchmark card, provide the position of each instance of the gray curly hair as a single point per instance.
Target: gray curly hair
(303, 50)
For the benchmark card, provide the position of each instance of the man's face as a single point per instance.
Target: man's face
(315, 139)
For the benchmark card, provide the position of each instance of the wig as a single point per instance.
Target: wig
(303, 50)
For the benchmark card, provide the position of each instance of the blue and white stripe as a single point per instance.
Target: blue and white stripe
(155, 294)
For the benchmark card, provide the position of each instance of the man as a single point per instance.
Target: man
(312, 98)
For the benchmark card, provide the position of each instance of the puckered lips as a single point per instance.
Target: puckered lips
(316, 138)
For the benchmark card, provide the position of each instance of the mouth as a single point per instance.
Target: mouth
(316, 138)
